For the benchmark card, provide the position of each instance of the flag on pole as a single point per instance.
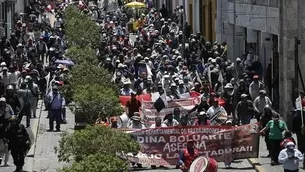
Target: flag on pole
(161, 102)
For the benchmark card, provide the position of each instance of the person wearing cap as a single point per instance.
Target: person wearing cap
(290, 158)
(33, 96)
(136, 123)
(202, 119)
(12, 98)
(228, 97)
(227, 157)
(255, 87)
(241, 89)
(56, 103)
(173, 92)
(126, 90)
(259, 104)
(133, 105)
(5, 76)
(41, 48)
(239, 68)
(18, 141)
(187, 156)
(15, 74)
(265, 118)
(275, 128)
(215, 109)
(244, 110)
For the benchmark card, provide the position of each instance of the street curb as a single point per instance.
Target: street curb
(257, 166)
(35, 128)
(30, 155)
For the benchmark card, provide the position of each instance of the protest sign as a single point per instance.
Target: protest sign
(161, 146)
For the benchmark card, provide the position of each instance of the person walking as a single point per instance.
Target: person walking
(275, 127)
(5, 113)
(18, 141)
(25, 109)
(33, 96)
(56, 103)
(244, 110)
(290, 157)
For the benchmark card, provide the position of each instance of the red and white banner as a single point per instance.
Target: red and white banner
(161, 146)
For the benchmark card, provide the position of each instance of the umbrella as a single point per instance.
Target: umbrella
(65, 62)
(135, 5)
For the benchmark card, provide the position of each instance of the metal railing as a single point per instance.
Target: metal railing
(268, 3)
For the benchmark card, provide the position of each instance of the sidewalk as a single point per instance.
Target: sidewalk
(45, 159)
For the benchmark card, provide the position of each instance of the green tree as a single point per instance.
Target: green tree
(94, 140)
(82, 54)
(95, 101)
(91, 74)
(98, 163)
(80, 29)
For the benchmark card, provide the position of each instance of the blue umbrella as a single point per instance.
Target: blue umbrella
(65, 62)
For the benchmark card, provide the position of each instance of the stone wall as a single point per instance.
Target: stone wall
(287, 59)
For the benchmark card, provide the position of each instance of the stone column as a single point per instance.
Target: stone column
(287, 59)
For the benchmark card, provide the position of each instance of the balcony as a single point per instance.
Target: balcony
(268, 3)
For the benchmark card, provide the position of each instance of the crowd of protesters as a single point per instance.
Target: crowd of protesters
(29, 72)
(157, 61)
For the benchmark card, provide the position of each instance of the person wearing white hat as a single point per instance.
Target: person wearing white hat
(5, 76)
(244, 110)
(126, 90)
(33, 96)
(290, 158)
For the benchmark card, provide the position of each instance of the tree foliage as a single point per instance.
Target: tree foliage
(95, 140)
(82, 54)
(98, 163)
(94, 148)
(96, 101)
(80, 29)
(91, 74)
